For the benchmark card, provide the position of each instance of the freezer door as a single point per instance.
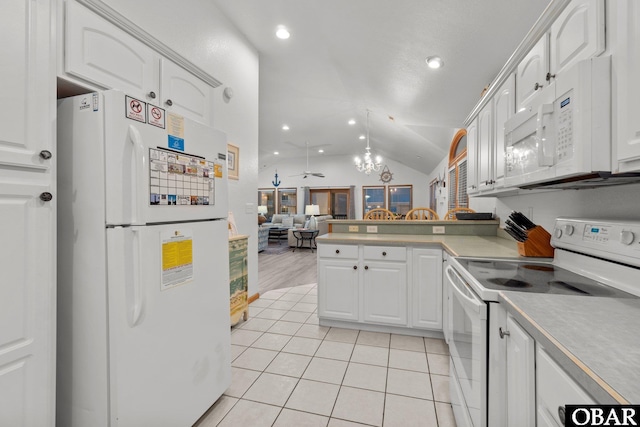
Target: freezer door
(169, 331)
(160, 167)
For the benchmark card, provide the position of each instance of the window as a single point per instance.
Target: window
(400, 199)
(287, 201)
(373, 198)
(457, 179)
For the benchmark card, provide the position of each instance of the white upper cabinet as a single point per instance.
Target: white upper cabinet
(503, 108)
(628, 88)
(100, 53)
(472, 157)
(577, 34)
(531, 73)
(485, 148)
(185, 94)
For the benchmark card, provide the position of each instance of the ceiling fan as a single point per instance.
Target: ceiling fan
(307, 172)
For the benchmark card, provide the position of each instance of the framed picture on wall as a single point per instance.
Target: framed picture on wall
(233, 161)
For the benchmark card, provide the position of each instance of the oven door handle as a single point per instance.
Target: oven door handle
(476, 304)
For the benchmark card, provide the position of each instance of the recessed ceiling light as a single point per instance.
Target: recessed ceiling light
(434, 62)
(282, 32)
(321, 151)
(351, 122)
(285, 127)
(361, 137)
(276, 153)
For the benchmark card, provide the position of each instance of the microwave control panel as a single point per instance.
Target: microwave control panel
(564, 126)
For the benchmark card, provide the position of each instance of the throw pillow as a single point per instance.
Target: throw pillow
(287, 222)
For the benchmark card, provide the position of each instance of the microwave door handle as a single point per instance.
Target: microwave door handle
(543, 129)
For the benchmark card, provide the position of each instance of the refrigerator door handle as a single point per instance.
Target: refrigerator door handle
(134, 285)
(139, 167)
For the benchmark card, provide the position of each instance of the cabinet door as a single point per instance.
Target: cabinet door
(427, 288)
(577, 34)
(531, 74)
(338, 289)
(485, 148)
(520, 376)
(385, 292)
(28, 228)
(185, 94)
(628, 87)
(504, 108)
(100, 53)
(472, 157)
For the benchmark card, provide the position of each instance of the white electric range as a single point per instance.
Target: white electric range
(592, 258)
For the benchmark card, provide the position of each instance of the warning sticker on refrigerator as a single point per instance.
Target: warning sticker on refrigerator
(135, 109)
(180, 179)
(177, 258)
(155, 116)
(175, 132)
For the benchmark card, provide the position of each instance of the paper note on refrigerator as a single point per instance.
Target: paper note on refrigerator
(177, 258)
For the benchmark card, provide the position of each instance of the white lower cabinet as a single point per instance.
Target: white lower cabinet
(554, 390)
(426, 289)
(374, 284)
(520, 376)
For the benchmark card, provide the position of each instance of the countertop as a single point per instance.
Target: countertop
(474, 246)
(594, 339)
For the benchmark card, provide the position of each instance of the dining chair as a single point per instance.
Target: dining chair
(417, 214)
(380, 214)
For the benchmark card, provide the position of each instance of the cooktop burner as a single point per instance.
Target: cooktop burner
(509, 275)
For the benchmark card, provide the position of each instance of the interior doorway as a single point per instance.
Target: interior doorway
(332, 201)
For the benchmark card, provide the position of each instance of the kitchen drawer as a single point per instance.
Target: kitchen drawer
(338, 251)
(555, 389)
(385, 253)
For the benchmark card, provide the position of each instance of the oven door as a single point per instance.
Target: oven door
(468, 348)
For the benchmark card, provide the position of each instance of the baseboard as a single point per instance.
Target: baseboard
(254, 297)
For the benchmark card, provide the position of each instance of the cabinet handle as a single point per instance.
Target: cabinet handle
(550, 76)
(561, 414)
(46, 154)
(169, 102)
(503, 333)
(537, 86)
(355, 267)
(152, 95)
(46, 196)
(384, 253)
(366, 267)
(337, 251)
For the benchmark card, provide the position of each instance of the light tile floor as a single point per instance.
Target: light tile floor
(287, 371)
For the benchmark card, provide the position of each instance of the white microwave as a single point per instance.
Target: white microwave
(565, 134)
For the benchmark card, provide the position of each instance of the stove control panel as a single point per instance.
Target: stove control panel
(614, 240)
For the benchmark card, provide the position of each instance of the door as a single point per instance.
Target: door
(485, 147)
(472, 161)
(169, 342)
(338, 289)
(384, 292)
(504, 109)
(427, 289)
(531, 73)
(521, 405)
(333, 202)
(27, 181)
(99, 52)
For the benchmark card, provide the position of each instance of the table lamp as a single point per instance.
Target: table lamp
(261, 211)
(312, 210)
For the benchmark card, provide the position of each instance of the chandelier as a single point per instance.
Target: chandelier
(368, 165)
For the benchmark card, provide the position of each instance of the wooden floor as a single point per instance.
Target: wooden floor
(280, 267)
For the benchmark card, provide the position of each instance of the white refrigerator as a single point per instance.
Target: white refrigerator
(143, 271)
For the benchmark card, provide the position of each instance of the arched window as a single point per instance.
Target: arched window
(457, 180)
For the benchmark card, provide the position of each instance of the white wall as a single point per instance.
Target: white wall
(340, 172)
(197, 30)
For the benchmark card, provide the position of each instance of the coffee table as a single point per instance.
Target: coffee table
(308, 235)
(277, 233)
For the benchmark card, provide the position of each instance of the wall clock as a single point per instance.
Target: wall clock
(386, 175)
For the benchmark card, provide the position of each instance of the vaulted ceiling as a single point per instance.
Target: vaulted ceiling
(345, 57)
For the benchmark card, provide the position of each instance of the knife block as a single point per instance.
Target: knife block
(538, 244)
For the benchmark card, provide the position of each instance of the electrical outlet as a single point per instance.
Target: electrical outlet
(353, 228)
(372, 228)
(439, 229)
